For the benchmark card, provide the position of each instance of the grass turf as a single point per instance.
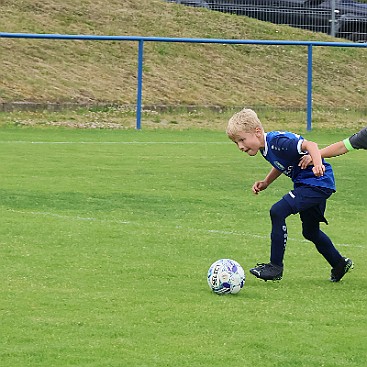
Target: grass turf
(106, 238)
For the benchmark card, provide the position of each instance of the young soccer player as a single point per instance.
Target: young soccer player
(356, 141)
(312, 187)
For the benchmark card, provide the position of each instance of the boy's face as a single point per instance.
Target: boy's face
(249, 143)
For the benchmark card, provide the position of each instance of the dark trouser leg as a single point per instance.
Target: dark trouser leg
(278, 213)
(311, 231)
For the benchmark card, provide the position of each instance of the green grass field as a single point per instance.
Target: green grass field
(107, 236)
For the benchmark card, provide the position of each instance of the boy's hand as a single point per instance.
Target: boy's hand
(259, 186)
(305, 161)
(319, 170)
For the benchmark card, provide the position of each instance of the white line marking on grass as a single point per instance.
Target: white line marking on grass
(262, 237)
(114, 142)
(215, 231)
(90, 219)
(119, 142)
(236, 233)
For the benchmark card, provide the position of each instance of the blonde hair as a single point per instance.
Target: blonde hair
(245, 120)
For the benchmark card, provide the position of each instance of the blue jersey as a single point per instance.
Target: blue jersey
(283, 151)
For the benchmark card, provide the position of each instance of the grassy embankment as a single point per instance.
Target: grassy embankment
(95, 73)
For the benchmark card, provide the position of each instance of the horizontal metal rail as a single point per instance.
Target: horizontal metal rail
(141, 40)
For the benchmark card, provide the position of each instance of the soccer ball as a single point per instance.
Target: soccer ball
(226, 276)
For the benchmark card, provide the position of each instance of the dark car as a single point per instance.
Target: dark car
(195, 3)
(339, 18)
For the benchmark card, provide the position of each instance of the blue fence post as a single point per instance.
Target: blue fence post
(141, 40)
(309, 88)
(140, 84)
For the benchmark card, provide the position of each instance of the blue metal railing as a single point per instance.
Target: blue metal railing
(141, 40)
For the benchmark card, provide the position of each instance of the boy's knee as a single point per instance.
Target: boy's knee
(280, 210)
(310, 234)
(276, 211)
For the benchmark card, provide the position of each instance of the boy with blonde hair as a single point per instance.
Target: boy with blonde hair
(312, 187)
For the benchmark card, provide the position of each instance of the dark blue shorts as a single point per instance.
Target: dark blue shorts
(309, 201)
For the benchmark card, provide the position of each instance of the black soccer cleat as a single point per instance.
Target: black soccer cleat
(341, 269)
(267, 271)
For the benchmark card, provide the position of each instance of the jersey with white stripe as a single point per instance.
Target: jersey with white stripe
(283, 150)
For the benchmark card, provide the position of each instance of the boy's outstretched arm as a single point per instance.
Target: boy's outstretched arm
(262, 185)
(330, 151)
(313, 150)
(356, 141)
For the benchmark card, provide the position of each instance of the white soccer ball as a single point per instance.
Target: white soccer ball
(226, 276)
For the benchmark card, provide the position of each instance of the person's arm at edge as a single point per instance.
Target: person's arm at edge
(335, 149)
(332, 150)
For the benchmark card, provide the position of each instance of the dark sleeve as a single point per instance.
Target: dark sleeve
(359, 140)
